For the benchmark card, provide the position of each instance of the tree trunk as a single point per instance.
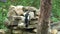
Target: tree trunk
(44, 17)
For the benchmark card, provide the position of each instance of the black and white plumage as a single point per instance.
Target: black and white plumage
(26, 19)
(28, 16)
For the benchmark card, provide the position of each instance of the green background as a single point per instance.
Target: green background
(4, 6)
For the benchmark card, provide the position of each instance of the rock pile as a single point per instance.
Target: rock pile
(16, 19)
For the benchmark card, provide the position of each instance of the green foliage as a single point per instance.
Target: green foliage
(56, 10)
(54, 19)
(36, 3)
(5, 6)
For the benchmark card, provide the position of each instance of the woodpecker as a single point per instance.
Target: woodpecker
(27, 19)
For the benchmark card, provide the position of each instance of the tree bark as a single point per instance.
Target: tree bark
(45, 11)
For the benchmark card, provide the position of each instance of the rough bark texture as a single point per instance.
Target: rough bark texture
(44, 17)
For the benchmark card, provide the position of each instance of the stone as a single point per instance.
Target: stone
(2, 31)
(17, 32)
